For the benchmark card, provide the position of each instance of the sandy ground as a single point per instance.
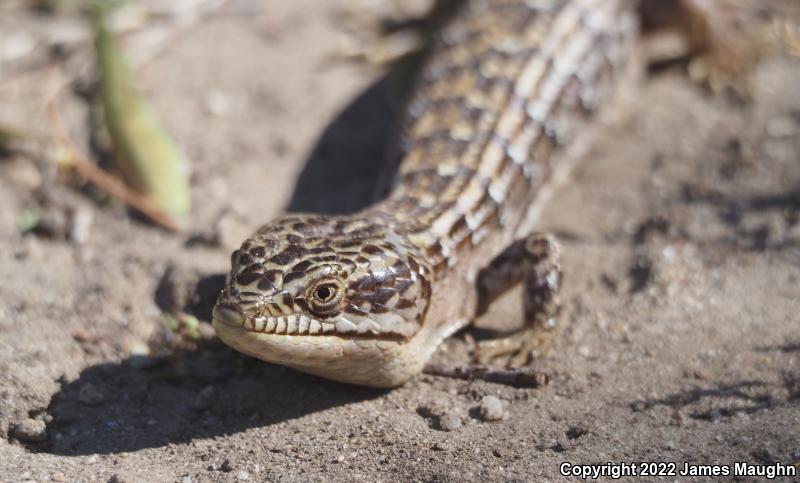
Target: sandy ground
(681, 234)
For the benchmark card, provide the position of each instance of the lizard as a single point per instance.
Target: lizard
(508, 88)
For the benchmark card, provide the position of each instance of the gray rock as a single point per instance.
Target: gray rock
(492, 409)
(450, 421)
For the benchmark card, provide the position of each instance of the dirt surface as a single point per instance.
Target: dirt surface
(681, 237)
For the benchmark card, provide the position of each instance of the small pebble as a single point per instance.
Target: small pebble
(432, 409)
(81, 225)
(492, 409)
(439, 446)
(91, 395)
(205, 398)
(58, 476)
(226, 466)
(186, 479)
(450, 421)
(30, 431)
(242, 476)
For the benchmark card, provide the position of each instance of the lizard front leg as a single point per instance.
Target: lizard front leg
(533, 261)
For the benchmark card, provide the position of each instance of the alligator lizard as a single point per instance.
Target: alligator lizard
(367, 298)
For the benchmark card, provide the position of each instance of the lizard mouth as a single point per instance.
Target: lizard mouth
(380, 361)
(230, 317)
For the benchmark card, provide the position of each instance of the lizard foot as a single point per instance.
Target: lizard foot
(534, 261)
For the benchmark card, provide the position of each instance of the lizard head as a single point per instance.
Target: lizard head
(338, 297)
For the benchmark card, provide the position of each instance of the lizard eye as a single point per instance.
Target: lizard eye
(324, 294)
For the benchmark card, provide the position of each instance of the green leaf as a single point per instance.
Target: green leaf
(145, 153)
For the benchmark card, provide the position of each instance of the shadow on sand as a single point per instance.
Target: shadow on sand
(350, 167)
(211, 391)
(723, 400)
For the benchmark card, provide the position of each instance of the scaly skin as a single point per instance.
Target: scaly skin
(367, 298)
